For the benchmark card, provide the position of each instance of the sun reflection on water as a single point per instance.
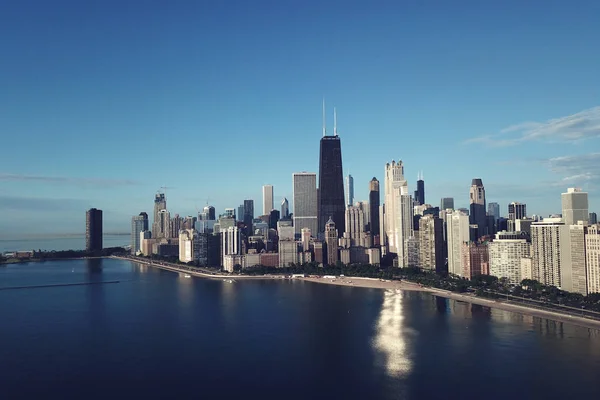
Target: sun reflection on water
(391, 334)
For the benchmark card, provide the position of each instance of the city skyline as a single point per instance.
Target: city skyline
(95, 135)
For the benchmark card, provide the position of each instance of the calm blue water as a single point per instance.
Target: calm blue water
(74, 242)
(157, 334)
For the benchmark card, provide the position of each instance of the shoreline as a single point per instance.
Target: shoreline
(373, 283)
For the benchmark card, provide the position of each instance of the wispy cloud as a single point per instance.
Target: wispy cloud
(572, 128)
(40, 204)
(6, 177)
(580, 170)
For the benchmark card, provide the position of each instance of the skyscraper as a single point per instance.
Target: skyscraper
(285, 207)
(305, 202)
(549, 241)
(593, 218)
(209, 213)
(494, 210)
(349, 190)
(248, 216)
(331, 180)
(139, 223)
(355, 226)
(457, 233)
(398, 211)
(574, 206)
(374, 201)
(160, 203)
(505, 257)
(447, 203)
(431, 243)
(267, 199)
(420, 192)
(93, 230)
(331, 241)
(516, 211)
(592, 255)
(477, 214)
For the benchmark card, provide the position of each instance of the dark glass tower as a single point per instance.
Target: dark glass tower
(248, 216)
(374, 201)
(420, 192)
(331, 184)
(477, 209)
(93, 230)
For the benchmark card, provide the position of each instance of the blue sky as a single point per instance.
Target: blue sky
(104, 102)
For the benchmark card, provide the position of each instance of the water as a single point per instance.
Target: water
(157, 334)
(71, 242)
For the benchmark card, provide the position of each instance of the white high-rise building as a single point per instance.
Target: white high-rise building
(398, 211)
(349, 190)
(231, 244)
(574, 206)
(549, 241)
(189, 245)
(355, 225)
(457, 233)
(592, 258)
(366, 209)
(505, 257)
(575, 276)
(305, 202)
(267, 199)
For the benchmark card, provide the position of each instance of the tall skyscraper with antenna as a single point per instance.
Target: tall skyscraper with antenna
(420, 192)
(331, 179)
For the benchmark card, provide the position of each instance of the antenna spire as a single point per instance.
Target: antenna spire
(324, 130)
(334, 122)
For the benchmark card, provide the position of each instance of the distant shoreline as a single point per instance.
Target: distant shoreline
(374, 283)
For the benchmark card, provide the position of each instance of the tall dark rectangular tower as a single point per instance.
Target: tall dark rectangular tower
(477, 209)
(374, 201)
(93, 230)
(331, 184)
(420, 192)
(248, 216)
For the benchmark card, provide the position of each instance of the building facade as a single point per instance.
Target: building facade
(189, 245)
(431, 243)
(592, 258)
(331, 184)
(457, 233)
(248, 216)
(548, 239)
(574, 206)
(505, 258)
(305, 202)
(93, 230)
(517, 211)
(159, 230)
(139, 223)
(447, 203)
(331, 242)
(349, 190)
(477, 207)
(267, 199)
(398, 212)
(374, 202)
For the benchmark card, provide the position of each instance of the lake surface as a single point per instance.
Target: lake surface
(48, 243)
(157, 334)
